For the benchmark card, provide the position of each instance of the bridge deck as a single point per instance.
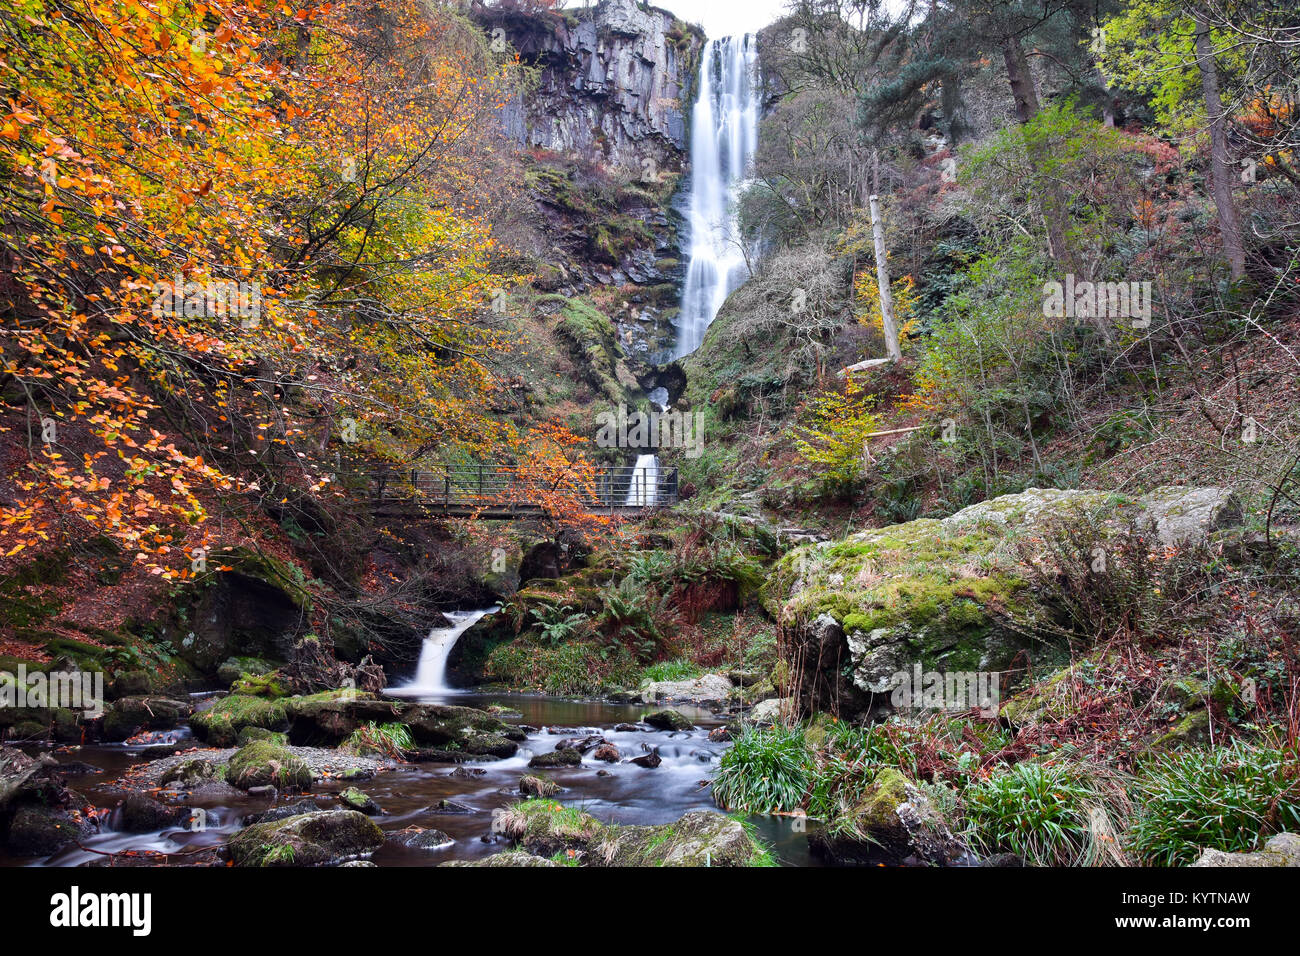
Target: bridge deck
(505, 492)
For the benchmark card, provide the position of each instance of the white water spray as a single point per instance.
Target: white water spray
(430, 672)
(724, 137)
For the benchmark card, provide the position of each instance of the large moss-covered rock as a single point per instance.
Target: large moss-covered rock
(307, 839)
(220, 724)
(545, 828)
(892, 822)
(949, 594)
(263, 763)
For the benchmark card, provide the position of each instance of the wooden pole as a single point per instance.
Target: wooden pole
(882, 279)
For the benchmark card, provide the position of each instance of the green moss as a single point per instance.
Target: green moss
(262, 685)
(220, 725)
(263, 763)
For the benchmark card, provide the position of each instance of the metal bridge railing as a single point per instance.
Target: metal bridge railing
(466, 488)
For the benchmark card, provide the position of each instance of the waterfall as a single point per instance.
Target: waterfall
(644, 484)
(429, 673)
(724, 136)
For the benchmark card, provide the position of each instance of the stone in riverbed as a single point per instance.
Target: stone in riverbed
(649, 761)
(557, 758)
(262, 764)
(142, 814)
(354, 799)
(39, 831)
(667, 720)
(192, 773)
(308, 839)
(531, 786)
(282, 812)
(421, 838)
(544, 828)
(581, 744)
(606, 752)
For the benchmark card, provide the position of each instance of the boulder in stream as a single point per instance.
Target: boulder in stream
(307, 839)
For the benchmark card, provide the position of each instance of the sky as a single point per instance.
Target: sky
(721, 18)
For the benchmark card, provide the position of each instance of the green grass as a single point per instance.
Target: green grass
(386, 740)
(1037, 811)
(681, 668)
(764, 771)
(1222, 799)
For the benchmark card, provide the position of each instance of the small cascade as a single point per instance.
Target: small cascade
(643, 485)
(724, 137)
(430, 672)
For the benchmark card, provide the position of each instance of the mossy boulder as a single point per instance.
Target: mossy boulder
(249, 734)
(231, 669)
(951, 594)
(699, 838)
(362, 802)
(260, 685)
(37, 830)
(307, 839)
(564, 757)
(893, 821)
(667, 720)
(533, 786)
(253, 607)
(143, 814)
(263, 764)
(220, 724)
(192, 773)
(509, 858)
(545, 828)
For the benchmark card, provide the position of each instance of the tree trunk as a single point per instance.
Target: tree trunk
(1220, 174)
(882, 279)
(1026, 98)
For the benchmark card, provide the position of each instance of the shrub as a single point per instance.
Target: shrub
(765, 771)
(1222, 799)
(388, 740)
(1039, 812)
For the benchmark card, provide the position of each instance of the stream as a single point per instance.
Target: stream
(412, 793)
(456, 799)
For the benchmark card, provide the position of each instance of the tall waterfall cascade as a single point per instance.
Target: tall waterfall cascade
(724, 138)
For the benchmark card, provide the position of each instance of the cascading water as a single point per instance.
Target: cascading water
(644, 485)
(724, 136)
(430, 672)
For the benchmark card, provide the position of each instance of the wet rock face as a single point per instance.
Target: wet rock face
(613, 86)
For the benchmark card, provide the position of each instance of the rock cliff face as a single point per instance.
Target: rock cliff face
(614, 82)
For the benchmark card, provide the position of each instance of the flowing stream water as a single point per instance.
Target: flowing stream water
(724, 137)
(414, 794)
